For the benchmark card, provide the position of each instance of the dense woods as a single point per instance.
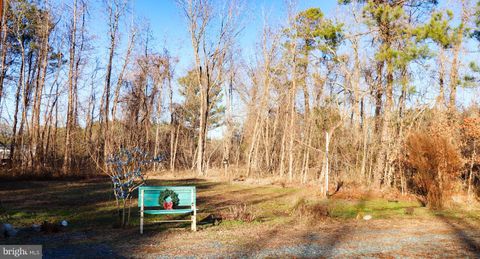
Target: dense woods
(382, 93)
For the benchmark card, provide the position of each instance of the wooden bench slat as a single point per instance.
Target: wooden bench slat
(152, 195)
(162, 212)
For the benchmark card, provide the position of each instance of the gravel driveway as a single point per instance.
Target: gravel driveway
(367, 239)
(402, 238)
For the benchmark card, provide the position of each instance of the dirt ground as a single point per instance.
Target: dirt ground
(413, 238)
(276, 232)
(376, 238)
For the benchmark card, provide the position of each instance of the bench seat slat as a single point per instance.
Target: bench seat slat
(186, 195)
(161, 212)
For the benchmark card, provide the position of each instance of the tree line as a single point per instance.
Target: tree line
(369, 95)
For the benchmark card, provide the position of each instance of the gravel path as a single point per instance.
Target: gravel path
(85, 250)
(374, 239)
(406, 238)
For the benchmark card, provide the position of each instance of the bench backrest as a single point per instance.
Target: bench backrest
(151, 198)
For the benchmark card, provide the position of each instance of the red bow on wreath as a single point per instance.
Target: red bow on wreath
(168, 204)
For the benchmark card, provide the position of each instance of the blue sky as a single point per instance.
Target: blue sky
(169, 28)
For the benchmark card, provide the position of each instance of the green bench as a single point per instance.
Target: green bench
(149, 203)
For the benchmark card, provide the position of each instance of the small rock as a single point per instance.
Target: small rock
(36, 227)
(64, 223)
(367, 217)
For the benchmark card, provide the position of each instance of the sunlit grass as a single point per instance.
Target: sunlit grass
(87, 205)
(377, 208)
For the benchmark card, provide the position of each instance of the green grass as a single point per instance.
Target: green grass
(377, 208)
(88, 205)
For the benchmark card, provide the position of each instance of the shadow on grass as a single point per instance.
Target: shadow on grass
(339, 236)
(66, 198)
(255, 247)
(211, 204)
(88, 206)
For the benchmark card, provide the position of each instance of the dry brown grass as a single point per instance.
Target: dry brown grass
(435, 163)
(310, 211)
(240, 212)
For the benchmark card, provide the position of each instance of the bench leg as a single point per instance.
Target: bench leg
(194, 217)
(194, 223)
(141, 210)
(141, 222)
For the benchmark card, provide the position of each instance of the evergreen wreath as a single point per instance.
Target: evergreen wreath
(169, 193)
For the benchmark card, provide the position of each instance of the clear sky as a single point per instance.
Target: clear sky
(169, 28)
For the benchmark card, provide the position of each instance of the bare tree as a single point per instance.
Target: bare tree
(209, 56)
(67, 161)
(115, 10)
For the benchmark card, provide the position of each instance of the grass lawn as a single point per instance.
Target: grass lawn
(90, 204)
(89, 207)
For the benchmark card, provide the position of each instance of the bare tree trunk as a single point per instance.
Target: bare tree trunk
(363, 171)
(355, 81)
(378, 92)
(20, 86)
(196, 36)
(174, 127)
(4, 47)
(158, 115)
(327, 165)
(229, 121)
(291, 123)
(71, 95)
(202, 133)
(454, 79)
(441, 78)
(122, 74)
(384, 156)
(470, 175)
(291, 132)
(283, 146)
(40, 83)
(457, 46)
(24, 125)
(175, 148)
(48, 115)
(115, 11)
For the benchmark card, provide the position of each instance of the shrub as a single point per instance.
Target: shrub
(314, 211)
(239, 212)
(126, 175)
(435, 164)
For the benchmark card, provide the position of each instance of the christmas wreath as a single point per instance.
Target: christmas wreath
(169, 199)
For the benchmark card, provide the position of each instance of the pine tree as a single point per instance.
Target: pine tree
(190, 91)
